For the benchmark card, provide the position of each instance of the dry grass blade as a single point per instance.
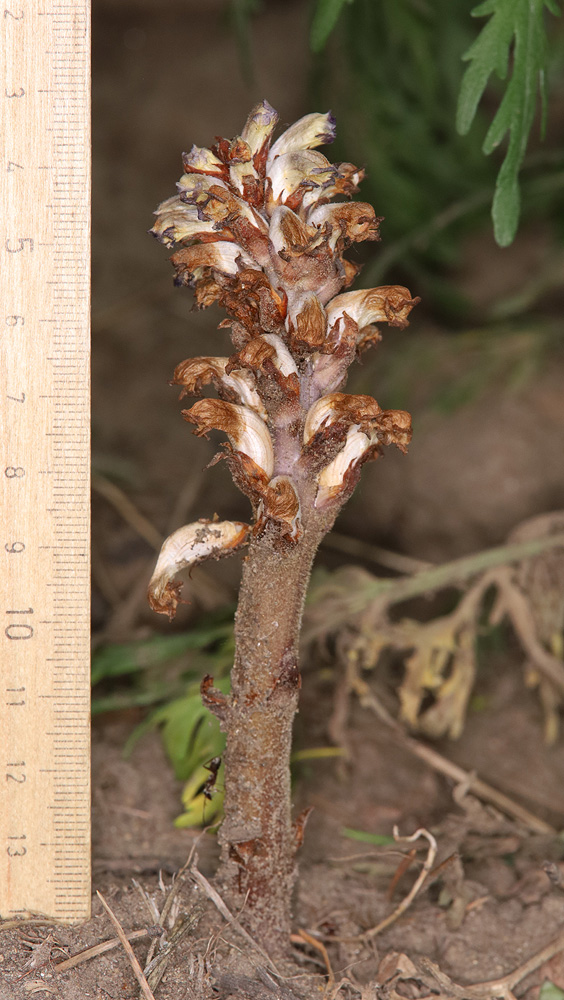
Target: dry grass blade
(320, 947)
(407, 901)
(99, 949)
(124, 506)
(10, 925)
(227, 915)
(155, 967)
(137, 970)
(184, 923)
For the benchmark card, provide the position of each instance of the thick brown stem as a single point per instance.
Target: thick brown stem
(258, 838)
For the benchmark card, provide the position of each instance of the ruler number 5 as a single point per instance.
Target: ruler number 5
(22, 242)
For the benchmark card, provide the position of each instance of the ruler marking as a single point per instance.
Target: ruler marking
(53, 57)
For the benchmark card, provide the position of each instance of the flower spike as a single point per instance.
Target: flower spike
(261, 226)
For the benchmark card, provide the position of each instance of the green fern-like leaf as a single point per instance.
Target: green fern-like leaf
(517, 23)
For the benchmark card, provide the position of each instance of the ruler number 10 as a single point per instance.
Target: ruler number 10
(18, 630)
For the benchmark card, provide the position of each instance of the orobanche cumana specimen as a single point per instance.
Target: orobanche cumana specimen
(263, 228)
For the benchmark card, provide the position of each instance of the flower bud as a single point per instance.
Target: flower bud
(307, 133)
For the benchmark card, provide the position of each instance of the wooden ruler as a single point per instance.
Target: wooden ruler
(44, 458)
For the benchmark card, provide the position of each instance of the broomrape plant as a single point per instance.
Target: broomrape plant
(263, 228)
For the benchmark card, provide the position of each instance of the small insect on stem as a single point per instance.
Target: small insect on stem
(213, 767)
(209, 789)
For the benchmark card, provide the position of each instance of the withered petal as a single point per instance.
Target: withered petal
(307, 322)
(350, 221)
(246, 431)
(331, 480)
(345, 181)
(290, 236)
(387, 304)
(362, 442)
(226, 257)
(194, 373)
(186, 547)
(354, 409)
(280, 502)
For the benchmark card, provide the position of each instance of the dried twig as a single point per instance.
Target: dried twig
(444, 766)
(407, 901)
(513, 602)
(227, 915)
(361, 549)
(494, 988)
(454, 573)
(137, 970)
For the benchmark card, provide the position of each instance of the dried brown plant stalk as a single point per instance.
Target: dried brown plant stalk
(261, 233)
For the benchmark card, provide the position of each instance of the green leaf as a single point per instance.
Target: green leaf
(190, 733)
(324, 20)
(515, 26)
(549, 991)
(126, 658)
(380, 839)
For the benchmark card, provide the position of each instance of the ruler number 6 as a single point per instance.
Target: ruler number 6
(14, 546)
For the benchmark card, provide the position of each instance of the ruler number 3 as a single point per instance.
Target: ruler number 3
(22, 241)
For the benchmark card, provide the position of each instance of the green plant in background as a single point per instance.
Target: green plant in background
(148, 671)
(401, 94)
(517, 23)
(191, 738)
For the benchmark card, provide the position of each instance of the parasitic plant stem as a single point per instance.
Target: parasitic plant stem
(261, 233)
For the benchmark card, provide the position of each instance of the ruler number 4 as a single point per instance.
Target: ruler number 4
(15, 17)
